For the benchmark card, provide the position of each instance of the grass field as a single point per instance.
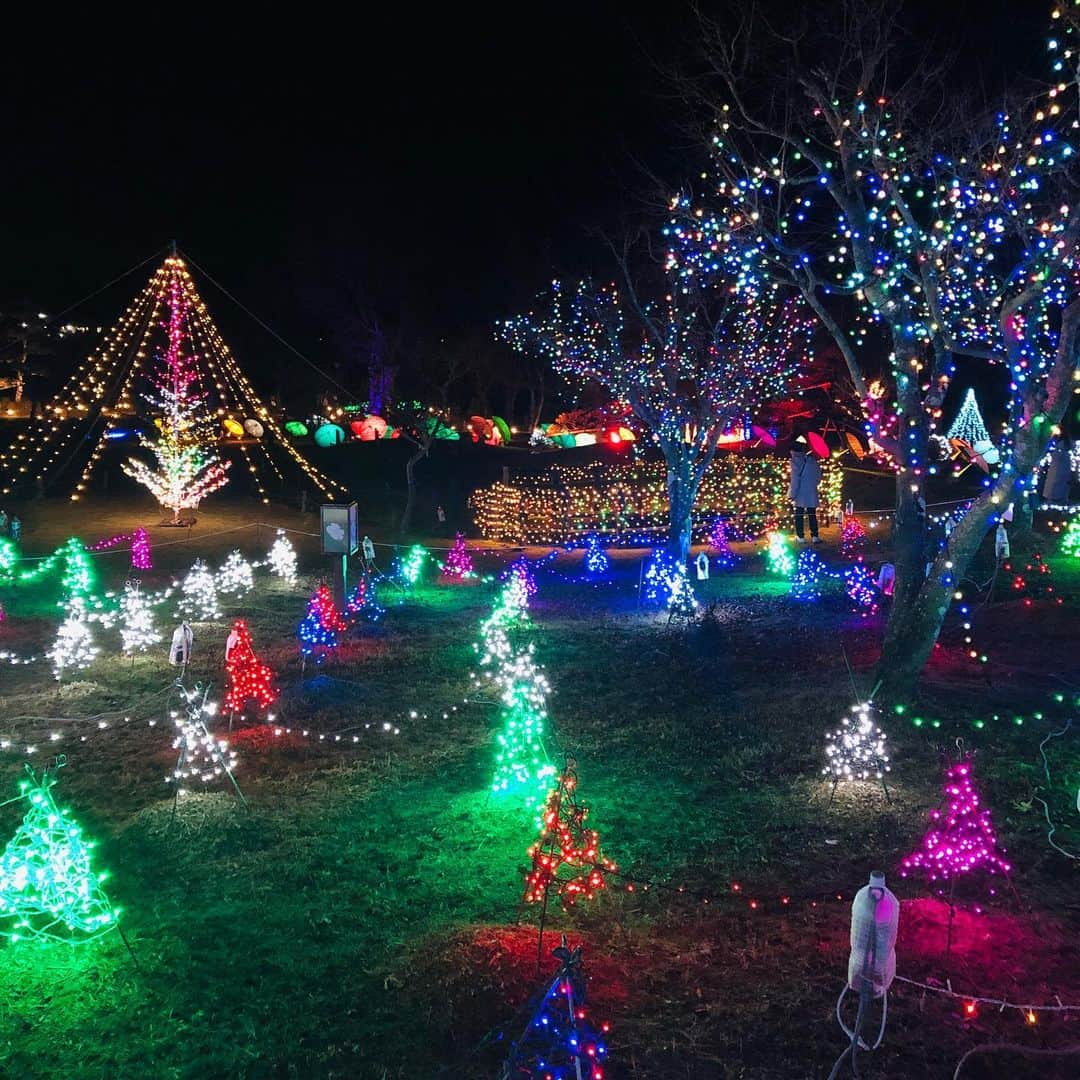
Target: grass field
(362, 917)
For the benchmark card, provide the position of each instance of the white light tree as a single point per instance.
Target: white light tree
(235, 578)
(137, 629)
(74, 647)
(282, 558)
(198, 595)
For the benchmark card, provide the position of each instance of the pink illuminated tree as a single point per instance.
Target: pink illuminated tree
(961, 837)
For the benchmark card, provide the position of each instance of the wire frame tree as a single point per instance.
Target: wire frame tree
(916, 233)
(689, 355)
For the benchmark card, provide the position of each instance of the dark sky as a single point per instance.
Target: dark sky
(443, 163)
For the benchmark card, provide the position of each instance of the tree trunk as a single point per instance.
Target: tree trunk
(920, 603)
(682, 485)
(410, 481)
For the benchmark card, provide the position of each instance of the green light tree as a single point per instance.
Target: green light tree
(47, 884)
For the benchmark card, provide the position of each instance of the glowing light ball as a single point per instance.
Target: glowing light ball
(296, 429)
(585, 438)
(253, 428)
(329, 435)
(233, 427)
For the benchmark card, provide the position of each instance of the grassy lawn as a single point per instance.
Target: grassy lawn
(362, 917)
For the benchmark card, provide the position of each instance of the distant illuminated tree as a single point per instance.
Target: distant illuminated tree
(689, 355)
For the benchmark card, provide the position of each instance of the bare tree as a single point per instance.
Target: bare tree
(914, 231)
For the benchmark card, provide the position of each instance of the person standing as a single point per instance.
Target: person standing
(803, 489)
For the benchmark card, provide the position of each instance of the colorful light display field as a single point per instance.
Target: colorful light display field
(397, 865)
(628, 502)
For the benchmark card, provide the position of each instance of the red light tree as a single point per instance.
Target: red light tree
(566, 859)
(247, 677)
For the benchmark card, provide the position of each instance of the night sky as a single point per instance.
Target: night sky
(443, 165)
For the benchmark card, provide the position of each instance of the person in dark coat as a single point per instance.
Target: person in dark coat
(803, 488)
(1058, 474)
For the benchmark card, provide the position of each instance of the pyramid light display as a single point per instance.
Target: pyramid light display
(961, 837)
(969, 424)
(247, 678)
(459, 564)
(202, 756)
(521, 761)
(597, 563)
(411, 565)
(164, 353)
(47, 881)
(852, 537)
(778, 555)
(667, 583)
(559, 1042)
(856, 749)
(806, 581)
(1070, 543)
(566, 859)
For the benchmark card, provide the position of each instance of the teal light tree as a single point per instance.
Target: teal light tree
(47, 882)
(909, 240)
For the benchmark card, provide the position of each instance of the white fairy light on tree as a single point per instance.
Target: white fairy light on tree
(137, 629)
(202, 756)
(282, 558)
(74, 647)
(856, 749)
(235, 578)
(969, 424)
(198, 595)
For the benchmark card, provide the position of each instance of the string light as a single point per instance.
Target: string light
(137, 629)
(247, 678)
(856, 749)
(235, 578)
(961, 838)
(198, 595)
(47, 882)
(282, 558)
(627, 502)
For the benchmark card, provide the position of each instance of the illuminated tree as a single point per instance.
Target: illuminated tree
(961, 837)
(319, 629)
(913, 233)
(74, 647)
(47, 883)
(137, 629)
(459, 562)
(282, 558)
(566, 859)
(247, 677)
(187, 469)
(235, 578)
(689, 355)
(198, 595)
(969, 424)
(559, 1040)
(521, 761)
